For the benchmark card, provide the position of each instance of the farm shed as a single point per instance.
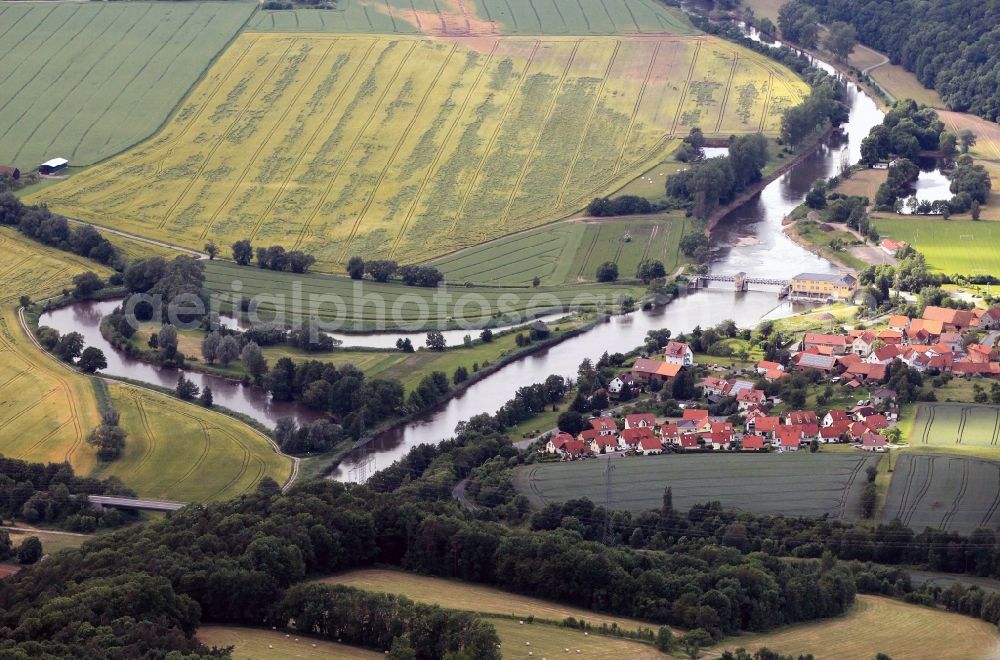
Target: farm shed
(52, 166)
(12, 172)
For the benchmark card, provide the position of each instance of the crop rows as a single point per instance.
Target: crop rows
(482, 17)
(406, 148)
(84, 81)
(957, 424)
(950, 493)
(792, 484)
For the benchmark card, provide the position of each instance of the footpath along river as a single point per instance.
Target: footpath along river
(749, 239)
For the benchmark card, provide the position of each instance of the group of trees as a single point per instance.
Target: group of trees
(178, 283)
(905, 131)
(69, 347)
(383, 271)
(40, 224)
(274, 257)
(948, 44)
(715, 181)
(109, 437)
(902, 174)
(601, 207)
(822, 108)
(318, 436)
(51, 493)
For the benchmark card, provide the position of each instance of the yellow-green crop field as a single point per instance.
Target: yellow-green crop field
(174, 450)
(409, 148)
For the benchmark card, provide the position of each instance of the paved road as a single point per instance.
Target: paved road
(458, 493)
(134, 237)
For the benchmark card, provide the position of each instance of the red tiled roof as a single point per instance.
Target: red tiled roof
(650, 443)
(694, 414)
(675, 349)
(636, 434)
(637, 418)
(603, 424)
(753, 442)
(873, 440)
(818, 339)
(800, 417)
(767, 424)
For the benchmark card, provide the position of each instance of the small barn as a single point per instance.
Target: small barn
(52, 166)
(12, 172)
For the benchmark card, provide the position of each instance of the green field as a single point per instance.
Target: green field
(962, 247)
(371, 305)
(570, 252)
(796, 484)
(951, 424)
(86, 80)
(481, 17)
(410, 148)
(881, 625)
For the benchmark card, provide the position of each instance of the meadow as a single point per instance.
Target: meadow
(46, 410)
(86, 80)
(257, 644)
(881, 625)
(797, 484)
(570, 252)
(945, 492)
(410, 148)
(481, 17)
(951, 247)
(458, 595)
(376, 306)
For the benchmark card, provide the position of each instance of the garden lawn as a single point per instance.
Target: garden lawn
(84, 81)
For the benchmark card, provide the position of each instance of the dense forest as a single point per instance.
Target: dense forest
(950, 45)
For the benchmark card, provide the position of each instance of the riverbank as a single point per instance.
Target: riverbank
(719, 214)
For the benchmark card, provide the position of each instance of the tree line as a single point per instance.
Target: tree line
(381, 270)
(274, 257)
(948, 44)
(40, 224)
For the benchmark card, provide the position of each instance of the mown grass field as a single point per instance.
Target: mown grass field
(570, 252)
(87, 80)
(946, 492)
(881, 625)
(481, 17)
(472, 597)
(256, 644)
(955, 246)
(409, 148)
(51, 541)
(793, 484)
(368, 305)
(47, 411)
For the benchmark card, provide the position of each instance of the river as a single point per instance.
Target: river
(749, 239)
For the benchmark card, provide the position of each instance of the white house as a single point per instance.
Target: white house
(678, 353)
(617, 383)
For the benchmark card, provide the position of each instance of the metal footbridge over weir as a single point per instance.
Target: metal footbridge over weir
(742, 281)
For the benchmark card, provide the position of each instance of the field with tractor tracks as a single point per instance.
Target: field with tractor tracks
(84, 81)
(793, 484)
(409, 148)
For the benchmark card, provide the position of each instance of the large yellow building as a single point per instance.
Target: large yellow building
(822, 287)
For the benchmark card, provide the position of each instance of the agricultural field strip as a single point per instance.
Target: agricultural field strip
(638, 483)
(132, 198)
(956, 424)
(119, 71)
(934, 490)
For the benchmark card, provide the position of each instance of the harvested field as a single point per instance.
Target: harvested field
(86, 80)
(955, 246)
(570, 252)
(375, 306)
(881, 625)
(458, 595)
(481, 18)
(946, 492)
(904, 85)
(795, 484)
(410, 148)
(864, 183)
